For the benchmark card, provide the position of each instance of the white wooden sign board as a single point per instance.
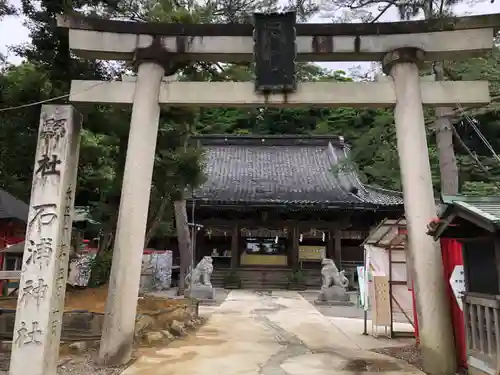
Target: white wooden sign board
(380, 303)
(457, 282)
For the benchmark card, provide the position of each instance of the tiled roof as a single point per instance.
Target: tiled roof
(482, 212)
(488, 208)
(12, 208)
(284, 170)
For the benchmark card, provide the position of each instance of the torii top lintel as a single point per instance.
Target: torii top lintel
(440, 39)
(73, 21)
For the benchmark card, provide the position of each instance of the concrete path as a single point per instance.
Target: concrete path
(259, 334)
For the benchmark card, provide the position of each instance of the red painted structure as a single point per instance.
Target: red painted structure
(452, 255)
(451, 252)
(11, 232)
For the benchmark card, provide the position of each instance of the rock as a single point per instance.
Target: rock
(142, 323)
(163, 319)
(151, 303)
(95, 344)
(152, 338)
(78, 347)
(178, 328)
(167, 335)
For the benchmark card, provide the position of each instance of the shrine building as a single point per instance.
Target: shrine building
(273, 204)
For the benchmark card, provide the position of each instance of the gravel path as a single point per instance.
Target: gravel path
(85, 365)
(410, 354)
(74, 365)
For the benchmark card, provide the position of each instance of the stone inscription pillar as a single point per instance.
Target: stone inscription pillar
(37, 330)
(121, 305)
(434, 320)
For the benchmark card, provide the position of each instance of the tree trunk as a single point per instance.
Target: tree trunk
(105, 241)
(448, 168)
(184, 241)
(109, 228)
(155, 220)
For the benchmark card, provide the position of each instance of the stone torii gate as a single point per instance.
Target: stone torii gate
(156, 49)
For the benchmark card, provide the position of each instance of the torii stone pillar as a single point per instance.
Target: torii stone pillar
(40, 305)
(434, 319)
(121, 305)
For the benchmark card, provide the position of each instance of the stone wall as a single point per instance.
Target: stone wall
(161, 320)
(76, 325)
(156, 271)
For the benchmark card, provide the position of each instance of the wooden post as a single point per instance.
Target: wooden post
(40, 306)
(330, 246)
(337, 234)
(235, 249)
(294, 256)
(199, 246)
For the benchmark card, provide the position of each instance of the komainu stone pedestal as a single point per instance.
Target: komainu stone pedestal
(201, 292)
(334, 295)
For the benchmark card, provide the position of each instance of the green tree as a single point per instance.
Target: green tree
(372, 11)
(7, 9)
(19, 126)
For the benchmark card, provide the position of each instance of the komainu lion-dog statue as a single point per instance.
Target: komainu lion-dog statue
(333, 284)
(197, 281)
(330, 275)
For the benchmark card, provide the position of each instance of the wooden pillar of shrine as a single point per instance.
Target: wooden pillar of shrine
(293, 259)
(337, 238)
(199, 246)
(235, 249)
(330, 245)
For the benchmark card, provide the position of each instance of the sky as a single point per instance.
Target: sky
(12, 31)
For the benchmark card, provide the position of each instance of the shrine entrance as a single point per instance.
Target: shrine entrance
(274, 42)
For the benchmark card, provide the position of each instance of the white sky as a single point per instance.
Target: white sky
(12, 31)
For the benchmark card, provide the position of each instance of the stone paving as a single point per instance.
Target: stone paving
(281, 333)
(344, 311)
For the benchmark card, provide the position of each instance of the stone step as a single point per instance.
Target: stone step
(265, 278)
(257, 285)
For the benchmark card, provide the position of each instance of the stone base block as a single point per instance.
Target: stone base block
(333, 303)
(333, 294)
(207, 302)
(201, 292)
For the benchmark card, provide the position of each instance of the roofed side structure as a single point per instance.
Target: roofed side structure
(12, 208)
(285, 170)
(460, 211)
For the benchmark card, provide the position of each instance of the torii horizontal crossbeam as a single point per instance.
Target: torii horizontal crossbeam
(73, 21)
(437, 46)
(308, 94)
